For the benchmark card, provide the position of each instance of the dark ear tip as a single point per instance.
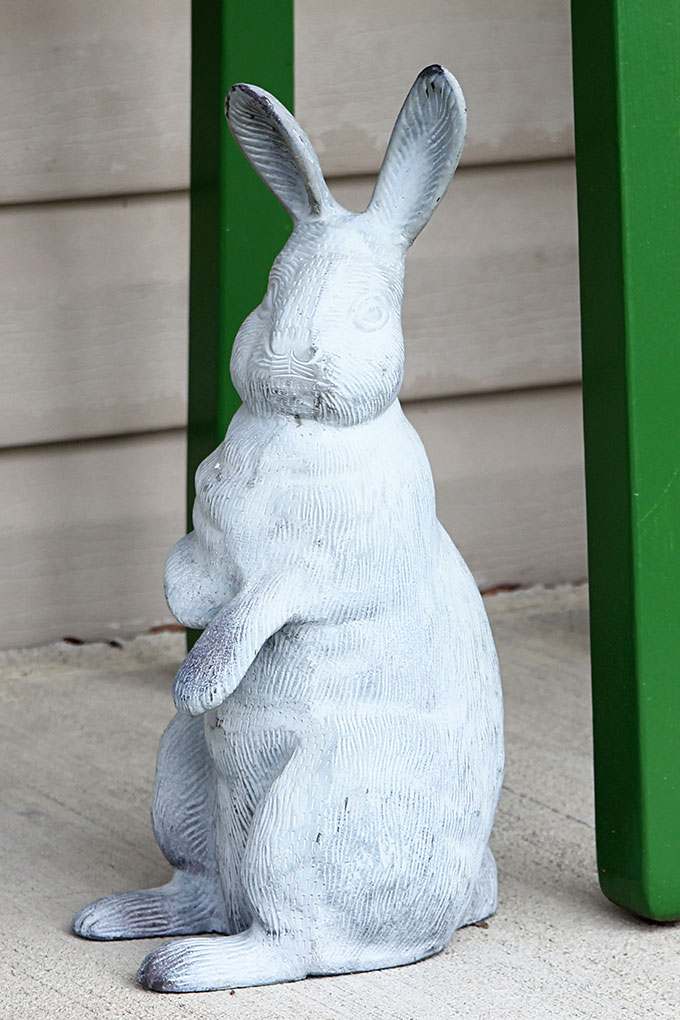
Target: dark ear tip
(432, 71)
(228, 98)
(253, 94)
(437, 79)
(247, 90)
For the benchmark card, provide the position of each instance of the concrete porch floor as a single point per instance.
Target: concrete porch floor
(80, 726)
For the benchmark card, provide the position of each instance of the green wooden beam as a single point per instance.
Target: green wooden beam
(237, 226)
(627, 106)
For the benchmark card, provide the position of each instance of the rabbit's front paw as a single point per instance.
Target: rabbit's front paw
(196, 691)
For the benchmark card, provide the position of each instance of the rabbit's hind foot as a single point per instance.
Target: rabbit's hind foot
(219, 962)
(172, 909)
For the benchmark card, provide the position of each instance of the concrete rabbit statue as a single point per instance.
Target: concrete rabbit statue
(326, 791)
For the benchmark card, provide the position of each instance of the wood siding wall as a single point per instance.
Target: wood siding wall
(93, 288)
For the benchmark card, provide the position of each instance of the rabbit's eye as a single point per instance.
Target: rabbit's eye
(370, 313)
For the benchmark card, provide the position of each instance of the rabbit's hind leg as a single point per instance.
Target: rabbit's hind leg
(183, 812)
(278, 883)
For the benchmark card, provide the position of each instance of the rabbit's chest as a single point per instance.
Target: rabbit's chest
(277, 493)
(256, 516)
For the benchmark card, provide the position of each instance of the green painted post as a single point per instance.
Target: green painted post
(237, 226)
(627, 105)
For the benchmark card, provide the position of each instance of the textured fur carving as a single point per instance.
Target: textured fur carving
(327, 789)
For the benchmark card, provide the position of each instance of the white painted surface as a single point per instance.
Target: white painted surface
(94, 302)
(96, 96)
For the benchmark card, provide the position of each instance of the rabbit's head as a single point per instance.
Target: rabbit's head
(326, 341)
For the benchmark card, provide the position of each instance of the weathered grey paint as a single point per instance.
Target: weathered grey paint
(327, 789)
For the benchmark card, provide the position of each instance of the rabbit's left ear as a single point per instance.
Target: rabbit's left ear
(277, 147)
(422, 155)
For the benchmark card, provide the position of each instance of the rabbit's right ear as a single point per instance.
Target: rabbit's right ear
(276, 146)
(421, 156)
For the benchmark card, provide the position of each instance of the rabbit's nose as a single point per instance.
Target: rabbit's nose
(279, 342)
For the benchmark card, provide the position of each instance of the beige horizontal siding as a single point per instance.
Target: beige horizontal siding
(93, 299)
(96, 96)
(508, 470)
(357, 60)
(85, 527)
(93, 290)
